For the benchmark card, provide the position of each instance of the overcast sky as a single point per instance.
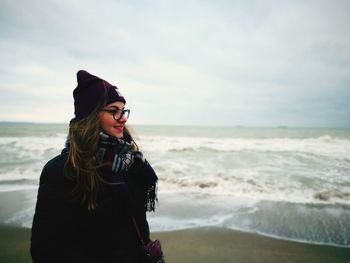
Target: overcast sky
(253, 63)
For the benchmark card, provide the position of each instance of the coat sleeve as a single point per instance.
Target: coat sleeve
(53, 221)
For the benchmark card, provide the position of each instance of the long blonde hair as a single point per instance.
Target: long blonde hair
(81, 167)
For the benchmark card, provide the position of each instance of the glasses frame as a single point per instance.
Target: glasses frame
(124, 112)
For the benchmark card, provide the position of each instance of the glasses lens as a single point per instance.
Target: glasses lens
(117, 114)
(126, 113)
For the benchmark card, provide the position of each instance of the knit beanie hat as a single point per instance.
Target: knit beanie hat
(93, 92)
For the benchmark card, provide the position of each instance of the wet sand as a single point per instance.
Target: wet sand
(202, 245)
(222, 245)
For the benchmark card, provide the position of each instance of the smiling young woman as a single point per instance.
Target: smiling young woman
(92, 194)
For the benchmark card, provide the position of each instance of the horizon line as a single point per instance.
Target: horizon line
(192, 125)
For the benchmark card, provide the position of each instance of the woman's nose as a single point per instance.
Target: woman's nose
(123, 119)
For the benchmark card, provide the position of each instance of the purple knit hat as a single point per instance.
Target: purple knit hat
(93, 92)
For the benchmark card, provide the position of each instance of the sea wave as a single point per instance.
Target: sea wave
(310, 223)
(250, 184)
(19, 182)
(321, 146)
(295, 169)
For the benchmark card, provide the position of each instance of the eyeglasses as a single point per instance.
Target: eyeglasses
(118, 113)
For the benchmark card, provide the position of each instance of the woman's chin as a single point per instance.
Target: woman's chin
(118, 135)
(114, 133)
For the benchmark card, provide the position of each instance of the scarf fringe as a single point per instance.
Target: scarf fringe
(151, 197)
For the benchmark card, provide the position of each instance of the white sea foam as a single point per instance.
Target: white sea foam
(294, 186)
(22, 218)
(11, 187)
(33, 147)
(24, 157)
(286, 169)
(321, 146)
(312, 223)
(305, 170)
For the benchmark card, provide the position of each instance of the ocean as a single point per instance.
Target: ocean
(288, 183)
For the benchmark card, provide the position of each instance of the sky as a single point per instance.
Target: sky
(183, 62)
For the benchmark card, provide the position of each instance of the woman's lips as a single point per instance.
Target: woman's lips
(119, 128)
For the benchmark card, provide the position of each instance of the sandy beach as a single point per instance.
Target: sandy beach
(223, 245)
(202, 245)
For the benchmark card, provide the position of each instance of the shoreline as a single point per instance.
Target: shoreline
(301, 241)
(18, 205)
(204, 245)
(263, 235)
(211, 244)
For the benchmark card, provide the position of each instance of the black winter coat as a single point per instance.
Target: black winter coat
(65, 231)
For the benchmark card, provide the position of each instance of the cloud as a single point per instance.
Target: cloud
(184, 62)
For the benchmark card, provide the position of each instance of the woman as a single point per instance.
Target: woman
(91, 195)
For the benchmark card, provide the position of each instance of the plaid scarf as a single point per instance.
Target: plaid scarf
(124, 158)
(121, 153)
